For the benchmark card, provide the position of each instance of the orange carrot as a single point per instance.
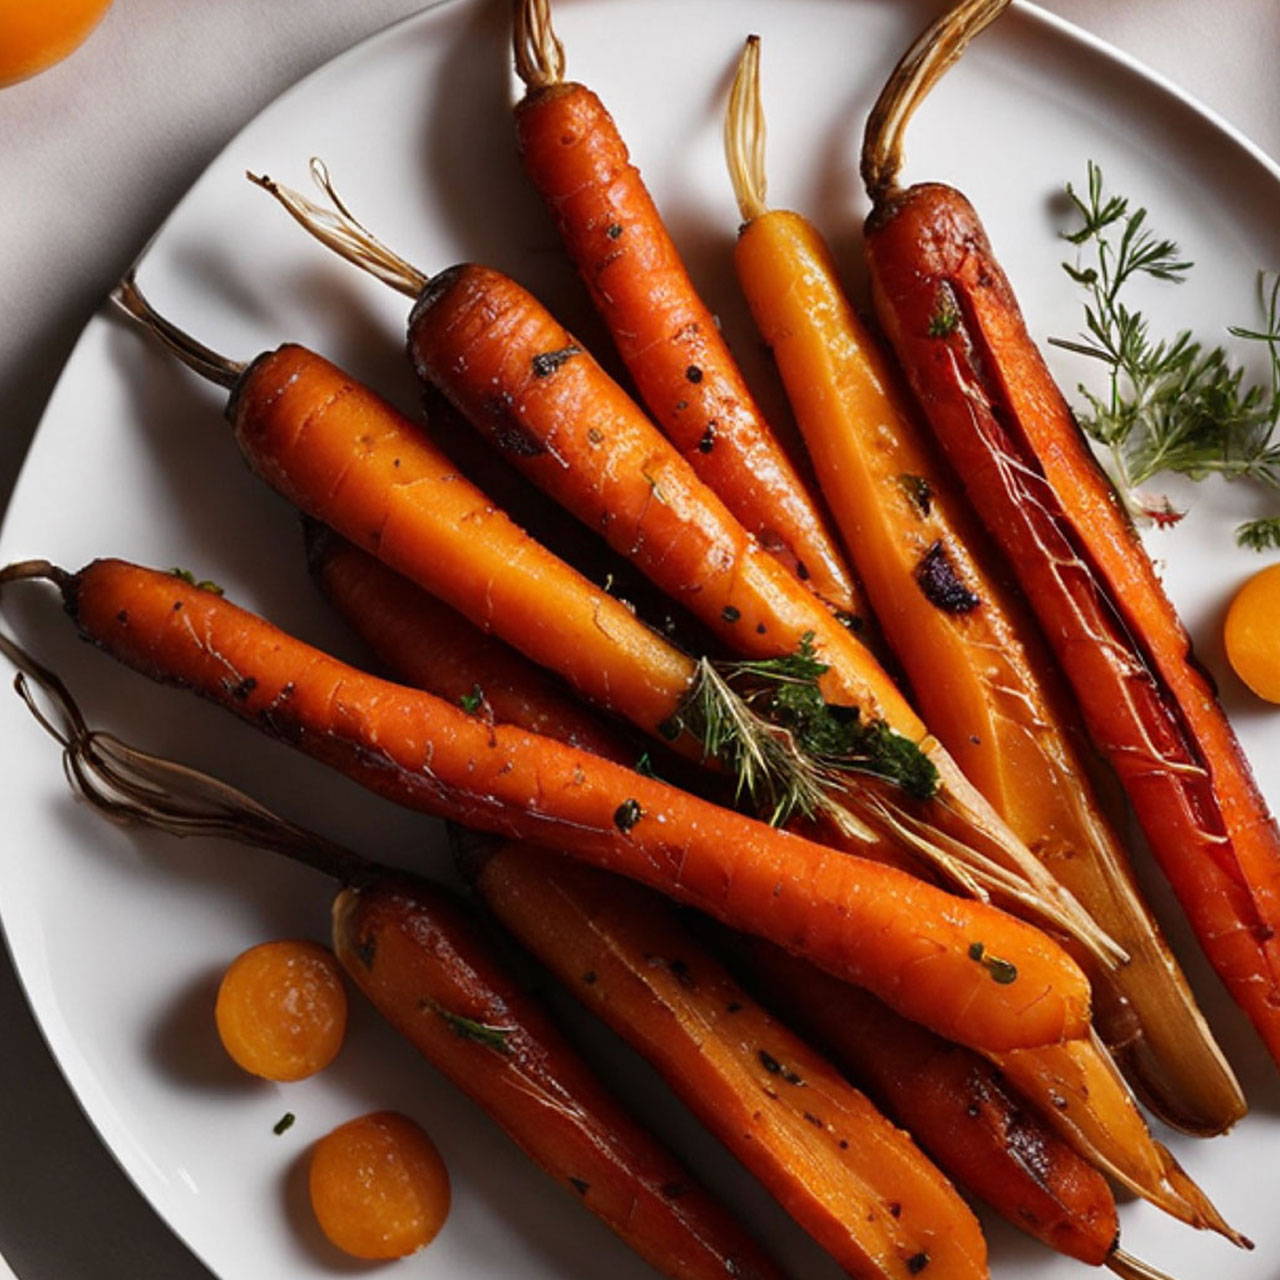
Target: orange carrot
(995, 409)
(955, 1104)
(427, 645)
(857, 1184)
(961, 967)
(349, 459)
(665, 333)
(1074, 1087)
(428, 966)
(976, 664)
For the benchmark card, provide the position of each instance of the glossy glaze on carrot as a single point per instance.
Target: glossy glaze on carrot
(910, 943)
(856, 1183)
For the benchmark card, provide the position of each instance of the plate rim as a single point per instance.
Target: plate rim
(56, 1034)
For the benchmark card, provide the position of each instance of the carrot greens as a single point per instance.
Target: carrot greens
(1170, 405)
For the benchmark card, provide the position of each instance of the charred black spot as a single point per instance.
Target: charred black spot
(242, 690)
(546, 363)
(813, 1120)
(895, 1209)
(769, 1062)
(917, 1263)
(937, 578)
(693, 373)
(627, 814)
(177, 605)
(680, 971)
(918, 491)
(730, 614)
(802, 571)
(509, 433)
(708, 441)
(844, 1144)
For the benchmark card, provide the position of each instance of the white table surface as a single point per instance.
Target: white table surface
(92, 155)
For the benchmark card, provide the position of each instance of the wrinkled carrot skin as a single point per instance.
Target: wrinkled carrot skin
(980, 677)
(903, 939)
(520, 378)
(955, 1104)
(349, 459)
(428, 645)
(666, 335)
(1148, 705)
(856, 1183)
(418, 956)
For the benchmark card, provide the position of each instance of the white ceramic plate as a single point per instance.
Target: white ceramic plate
(119, 937)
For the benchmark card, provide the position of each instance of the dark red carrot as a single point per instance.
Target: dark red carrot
(996, 410)
(961, 967)
(665, 333)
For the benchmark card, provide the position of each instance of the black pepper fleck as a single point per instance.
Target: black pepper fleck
(917, 1263)
(730, 614)
(693, 373)
(627, 814)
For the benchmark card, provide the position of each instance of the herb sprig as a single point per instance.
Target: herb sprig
(1171, 404)
(787, 747)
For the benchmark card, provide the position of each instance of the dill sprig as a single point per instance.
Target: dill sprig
(787, 748)
(1170, 404)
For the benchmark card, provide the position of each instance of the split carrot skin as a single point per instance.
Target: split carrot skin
(954, 322)
(955, 1104)
(666, 335)
(908, 942)
(425, 965)
(856, 1183)
(978, 669)
(1148, 705)
(429, 646)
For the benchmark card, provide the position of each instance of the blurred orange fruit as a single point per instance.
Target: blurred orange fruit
(34, 34)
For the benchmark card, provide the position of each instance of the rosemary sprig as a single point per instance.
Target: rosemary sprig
(785, 745)
(1170, 404)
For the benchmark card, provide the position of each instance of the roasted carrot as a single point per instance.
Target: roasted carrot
(1073, 1086)
(856, 1183)
(518, 376)
(961, 967)
(665, 333)
(978, 669)
(427, 645)
(991, 402)
(954, 1103)
(349, 459)
(428, 966)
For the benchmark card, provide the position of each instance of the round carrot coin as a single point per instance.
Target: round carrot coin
(282, 1009)
(379, 1188)
(1252, 633)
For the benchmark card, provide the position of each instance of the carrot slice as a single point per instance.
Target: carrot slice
(963, 968)
(996, 410)
(977, 667)
(857, 1184)
(665, 333)
(282, 1009)
(378, 1186)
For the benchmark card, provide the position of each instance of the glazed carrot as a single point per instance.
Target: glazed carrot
(856, 1183)
(427, 965)
(954, 1103)
(665, 333)
(427, 645)
(350, 460)
(995, 409)
(518, 376)
(961, 967)
(975, 662)
(1074, 1087)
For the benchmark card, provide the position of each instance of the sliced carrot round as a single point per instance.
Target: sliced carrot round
(282, 1009)
(1253, 633)
(379, 1188)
